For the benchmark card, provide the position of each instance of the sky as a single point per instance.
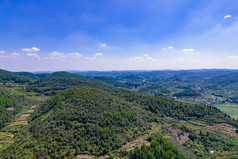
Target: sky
(107, 35)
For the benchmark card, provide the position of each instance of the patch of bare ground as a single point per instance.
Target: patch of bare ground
(4, 141)
(19, 123)
(224, 128)
(21, 119)
(30, 111)
(85, 156)
(25, 115)
(179, 135)
(138, 142)
(103, 157)
(10, 109)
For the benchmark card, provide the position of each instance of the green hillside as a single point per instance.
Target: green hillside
(11, 104)
(77, 116)
(51, 85)
(6, 77)
(85, 120)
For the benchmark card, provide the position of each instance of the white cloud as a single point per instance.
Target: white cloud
(33, 55)
(103, 45)
(59, 55)
(167, 48)
(227, 16)
(2, 52)
(136, 58)
(190, 51)
(144, 57)
(56, 54)
(232, 58)
(74, 54)
(33, 49)
(15, 54)
(98, 54)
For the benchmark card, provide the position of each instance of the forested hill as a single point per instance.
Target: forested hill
(35, 76)
(86, 120)
(6, 77)
(77, 116)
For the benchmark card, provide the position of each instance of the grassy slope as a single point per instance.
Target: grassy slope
(230, 109)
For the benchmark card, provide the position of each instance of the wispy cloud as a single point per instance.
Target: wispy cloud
(35, 55)
(55, 55)
(60, 55)
(232, 57)
(190, 51)
(168, 48)
(2, 52)
(103, 45)
(15, 55)
(227, 16)
(76, 54)
(98, 54)
(33, 49)
(143, 57)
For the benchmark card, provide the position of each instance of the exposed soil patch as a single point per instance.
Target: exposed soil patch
(21, 119)
(225, 128)
(25, 115)
(138, 142)
(10, 109)
(30, 111)
(179, 135)
(19, 123)
(103, 157)
(85, 156)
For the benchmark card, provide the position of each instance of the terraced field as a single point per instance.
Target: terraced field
(7, 133)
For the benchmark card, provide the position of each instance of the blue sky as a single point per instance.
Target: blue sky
(38, 35)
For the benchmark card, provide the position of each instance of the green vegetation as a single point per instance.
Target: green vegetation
(51, 85)
(230, 109)
(75, 115)
(186, 93)
(11, 104)
(159, 148)
(6, 77)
